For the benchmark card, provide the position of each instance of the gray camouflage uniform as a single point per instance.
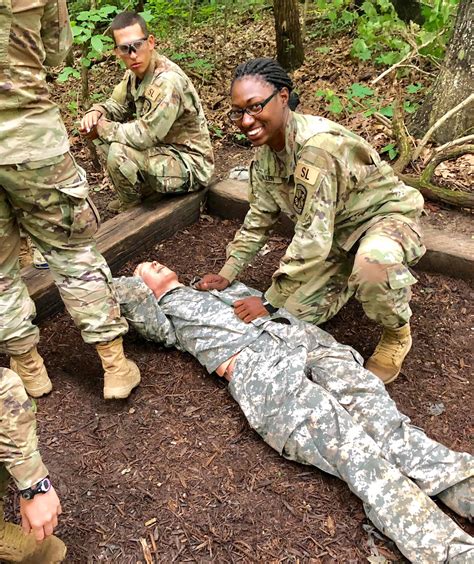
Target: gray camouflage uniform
(356, 225)
(157, 138)
(311, 400)
(19, 455)
(41, 187)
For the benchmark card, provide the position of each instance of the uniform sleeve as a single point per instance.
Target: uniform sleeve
(18, 441)
(165, 100)
(316, 197)
(142, 310)
(56, 32)
(251, 237)
(116, 107)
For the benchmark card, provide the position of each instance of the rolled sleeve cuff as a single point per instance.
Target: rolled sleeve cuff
(28, 472)
(274, 297)
(229, 271)
(107, 131)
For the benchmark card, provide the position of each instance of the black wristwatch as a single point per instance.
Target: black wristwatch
(268, 306)
(42, 487)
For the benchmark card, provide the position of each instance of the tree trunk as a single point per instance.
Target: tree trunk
(454, 83)
(290, 52)
(139, 6)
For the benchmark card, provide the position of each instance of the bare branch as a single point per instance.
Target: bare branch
(447, 154)
(441, 120)
(458, 141)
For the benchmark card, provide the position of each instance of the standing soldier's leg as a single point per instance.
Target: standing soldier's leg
(434, 467)
(304, 422)
(50, 200)
(18, 335)
(138, 174)
(382, 284)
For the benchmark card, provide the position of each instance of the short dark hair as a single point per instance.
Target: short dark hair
(126, 19)
(269, 70)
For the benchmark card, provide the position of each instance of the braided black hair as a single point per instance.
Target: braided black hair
(270, 71)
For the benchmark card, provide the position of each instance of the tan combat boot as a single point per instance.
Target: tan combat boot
(32, 371)
(17, 546)
(387, 359)
(120, 374)
(117, 206)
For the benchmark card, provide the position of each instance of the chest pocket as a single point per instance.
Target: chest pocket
(5, 27)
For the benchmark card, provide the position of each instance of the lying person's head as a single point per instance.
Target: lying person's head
(133, 44)
(158, 277)
(262, 94)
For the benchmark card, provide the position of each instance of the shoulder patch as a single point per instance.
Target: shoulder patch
(307, 173)
(152, 93)
(299, 199)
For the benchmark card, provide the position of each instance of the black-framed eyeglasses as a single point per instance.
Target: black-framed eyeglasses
(133, 47)
(236, 114)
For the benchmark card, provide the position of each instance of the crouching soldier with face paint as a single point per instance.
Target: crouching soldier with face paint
(34, 541)
(153, 129)
(312, 401)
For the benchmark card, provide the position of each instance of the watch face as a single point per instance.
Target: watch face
(44, 486)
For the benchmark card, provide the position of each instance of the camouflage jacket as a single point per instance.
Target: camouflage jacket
(33, 33)
(332, 184)
(162, 109)
(204, 323)
(18, 442)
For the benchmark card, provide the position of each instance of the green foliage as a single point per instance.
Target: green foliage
(391, 149)
(193, 61)
(381, 36)
(360, 98)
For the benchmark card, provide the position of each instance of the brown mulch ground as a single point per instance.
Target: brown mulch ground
(176, 468)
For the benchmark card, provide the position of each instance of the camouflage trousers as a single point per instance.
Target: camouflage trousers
(377, 275)
(139, 174)
(321, 407)
(48, 199)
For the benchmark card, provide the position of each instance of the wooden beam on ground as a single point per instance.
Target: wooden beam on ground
(120, 239)
(446, 252)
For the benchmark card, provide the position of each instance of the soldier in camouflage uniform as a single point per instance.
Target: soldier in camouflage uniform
(153, 129)
(356, 224)
(45, 192)
(20, 458)
(312, 401)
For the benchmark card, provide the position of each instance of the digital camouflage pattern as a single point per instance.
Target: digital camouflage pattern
(19, 455)
(33, 34)
(311, 400)
(157, 123)
(336, 189)
(41, 188)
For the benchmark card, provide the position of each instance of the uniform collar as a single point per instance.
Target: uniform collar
(138, 90)
(283, 164)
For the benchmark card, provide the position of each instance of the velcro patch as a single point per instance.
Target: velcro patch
(152, 93)
(300, 198)
(307, 173)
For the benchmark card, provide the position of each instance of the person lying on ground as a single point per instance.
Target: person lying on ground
(356, 224)
(153, 129)
(40, 508)
(311, 399)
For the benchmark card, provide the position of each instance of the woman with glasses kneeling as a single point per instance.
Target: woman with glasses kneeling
(356, 224)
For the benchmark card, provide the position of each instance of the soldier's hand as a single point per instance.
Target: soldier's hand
(40, 514)
(212, 282)
(89, 121)
(250, 308)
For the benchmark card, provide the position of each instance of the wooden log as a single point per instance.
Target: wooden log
(446, 252)
(120, 239)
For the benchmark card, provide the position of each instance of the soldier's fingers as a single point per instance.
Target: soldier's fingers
(25, 524)
(39, 533)
(48, 529)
